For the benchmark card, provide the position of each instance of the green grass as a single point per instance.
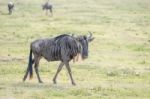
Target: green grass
(118, 66)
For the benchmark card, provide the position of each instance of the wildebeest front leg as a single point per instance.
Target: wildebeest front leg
(70, 73)
(58, 70)
(10, 11)
(37, 70)
(51, 11)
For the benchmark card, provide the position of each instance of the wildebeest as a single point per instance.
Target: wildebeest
(61, 48)
(10, 7)
(48, 6)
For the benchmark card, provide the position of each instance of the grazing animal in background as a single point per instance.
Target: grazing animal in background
(62, 48)
(48, 6)
(10, 7)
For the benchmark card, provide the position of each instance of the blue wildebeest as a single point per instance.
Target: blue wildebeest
(10, 7)
(61, 48)
(48, 6)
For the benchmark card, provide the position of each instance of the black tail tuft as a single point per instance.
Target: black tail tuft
(30, 64)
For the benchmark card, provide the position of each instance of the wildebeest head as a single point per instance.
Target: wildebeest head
(84, 41)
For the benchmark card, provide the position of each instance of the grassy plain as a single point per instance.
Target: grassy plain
(118, 66)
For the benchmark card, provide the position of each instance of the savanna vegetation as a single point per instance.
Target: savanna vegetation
(118, 66)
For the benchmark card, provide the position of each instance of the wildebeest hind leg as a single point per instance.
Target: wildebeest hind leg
(36, 69)
(58, 70)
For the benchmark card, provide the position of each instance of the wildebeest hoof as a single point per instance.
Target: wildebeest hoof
(40, 81)
(54, 82)
(24, 79)
(73, 83)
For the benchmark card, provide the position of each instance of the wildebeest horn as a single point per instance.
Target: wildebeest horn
(90, 38)
(90, 34)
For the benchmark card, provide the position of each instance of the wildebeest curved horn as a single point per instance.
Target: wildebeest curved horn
(90, 38)
(90, 34)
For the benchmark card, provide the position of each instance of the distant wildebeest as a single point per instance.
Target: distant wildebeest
(62, 48)
(10, 7)
(48, 6)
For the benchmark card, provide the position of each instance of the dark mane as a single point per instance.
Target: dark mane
(61, 36)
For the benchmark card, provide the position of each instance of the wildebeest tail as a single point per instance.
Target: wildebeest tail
(30, 64)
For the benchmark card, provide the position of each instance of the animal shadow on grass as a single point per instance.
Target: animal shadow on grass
(40, 86)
